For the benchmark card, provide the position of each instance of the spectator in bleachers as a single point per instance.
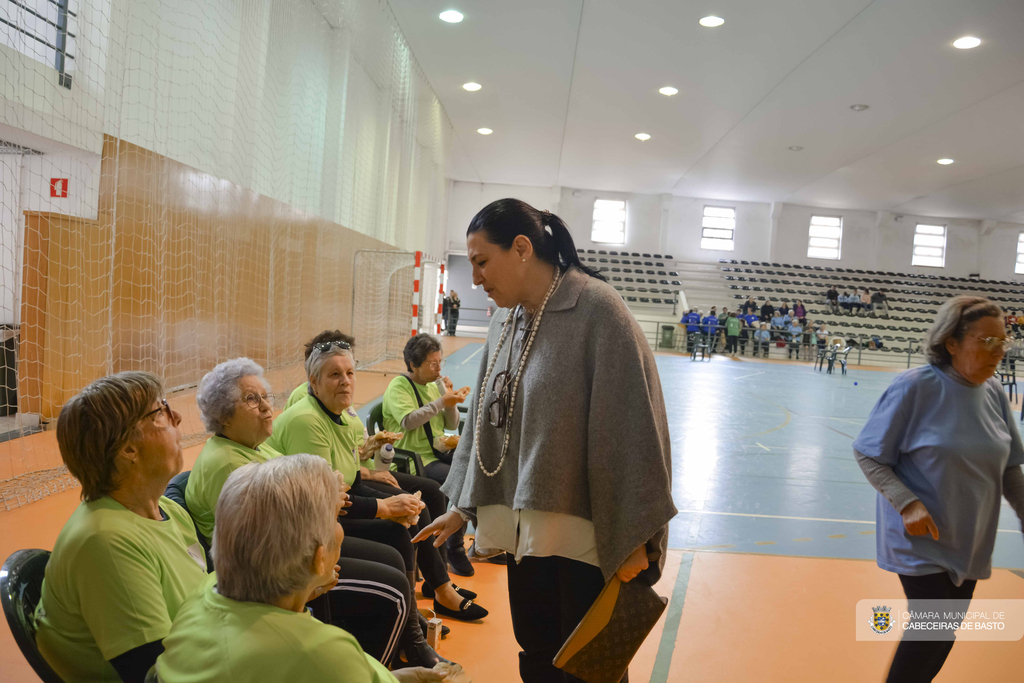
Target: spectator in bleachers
(879, 303)
(709, 328)
(800, 311)
(806, 340)
(844, 302)
(942, 450)
(732, 333)
(277, 547)
(784, 305)
(865, 300)
(821, 336)
(1013, 321)
(767, 310)
(875, 343)
(128, 557)
(832, 299)
(721, 326)
(749, 306)
(778, 324)
(795, 332)
(745, 332)
(789, 317)
(854, 300)
(692, 322)
(762, 338)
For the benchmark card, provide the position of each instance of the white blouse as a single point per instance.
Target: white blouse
(535, 533)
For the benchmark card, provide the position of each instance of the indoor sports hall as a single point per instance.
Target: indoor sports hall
(799, 208)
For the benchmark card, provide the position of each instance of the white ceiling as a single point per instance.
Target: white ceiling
(567, 84)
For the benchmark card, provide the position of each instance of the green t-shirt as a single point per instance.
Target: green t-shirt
(297, 395)
(399, 401)
(732, 327)
(218, 459)
(218, 639)
(114, 582)
(306, 428)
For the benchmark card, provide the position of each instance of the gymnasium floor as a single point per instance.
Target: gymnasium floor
(772, 549)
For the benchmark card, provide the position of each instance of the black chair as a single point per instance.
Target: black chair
(176, 492)
(21, 587)
(405, 460)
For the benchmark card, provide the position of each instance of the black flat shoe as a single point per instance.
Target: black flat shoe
(459, 564)
(428, 592)
(418, 654)
(467, 611)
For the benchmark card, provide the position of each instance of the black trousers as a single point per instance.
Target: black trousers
(453, 322)
(372, 599)
(920, 660)
(730, 343)
(548, 597)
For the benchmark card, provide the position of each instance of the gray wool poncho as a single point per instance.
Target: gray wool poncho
(589, 434)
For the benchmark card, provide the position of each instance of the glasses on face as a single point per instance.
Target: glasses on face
(323, 346)
(436, 364)
(254, 401)
(164, 406)
(991, 344)
(497, 411)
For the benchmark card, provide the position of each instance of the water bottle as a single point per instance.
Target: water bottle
(383, 457)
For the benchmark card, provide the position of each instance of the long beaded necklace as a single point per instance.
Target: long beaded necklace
(482, 394)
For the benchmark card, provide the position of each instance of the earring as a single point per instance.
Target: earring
(524, 260)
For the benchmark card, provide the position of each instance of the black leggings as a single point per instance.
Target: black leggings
(920, 660)
(548, 597)
(372, 599)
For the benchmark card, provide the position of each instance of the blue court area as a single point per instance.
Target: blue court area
(762, 458)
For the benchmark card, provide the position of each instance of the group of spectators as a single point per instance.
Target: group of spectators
(130, 583)
(857, 302)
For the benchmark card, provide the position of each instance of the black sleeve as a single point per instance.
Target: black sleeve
(133, 665)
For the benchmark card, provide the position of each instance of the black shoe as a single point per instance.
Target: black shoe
(468, 611)
(423, 626)
(418, 654)
(428, 592)
(458, 563)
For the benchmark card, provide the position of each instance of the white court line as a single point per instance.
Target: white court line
(470, 357)
(803, 519)
(753, 374)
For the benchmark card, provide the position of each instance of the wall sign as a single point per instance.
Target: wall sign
(58, 187)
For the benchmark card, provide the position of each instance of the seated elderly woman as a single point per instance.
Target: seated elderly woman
(324, 423)
(373, 598)
(415, 405)
(276, 545)
(324, 337)
(128, 557)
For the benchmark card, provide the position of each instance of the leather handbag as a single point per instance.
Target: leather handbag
(613, 629)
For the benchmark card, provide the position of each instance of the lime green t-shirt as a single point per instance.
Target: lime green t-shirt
(399, 401)
(114, 582)
(218, 639)
(218, 459)
(297, 395)
(306, 428)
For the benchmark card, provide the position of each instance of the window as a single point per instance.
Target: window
(825, 237)
(43, 30)
(929, 246)
(718, 228)
(609, 222)
(1019, 267)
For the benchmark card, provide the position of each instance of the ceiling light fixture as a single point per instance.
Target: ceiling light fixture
(859, 107)
(795, 148)
(451, 16)
(712, 22)
(471, 87)
(484, 131)
(945, 162)
(668, 90)
(642, 136)
(966, 43)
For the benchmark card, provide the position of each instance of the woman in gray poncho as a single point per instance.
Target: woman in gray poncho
(564, 462)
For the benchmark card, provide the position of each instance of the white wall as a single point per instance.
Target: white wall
(83, 174)
(872, 240)
(10, 238)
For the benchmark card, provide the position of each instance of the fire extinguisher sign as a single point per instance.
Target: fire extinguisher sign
(58, 187)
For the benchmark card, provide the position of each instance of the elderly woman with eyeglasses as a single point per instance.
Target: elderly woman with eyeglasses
(942, 448)
(128, 557)
(276, 545)
(324, 423)
(371, 599)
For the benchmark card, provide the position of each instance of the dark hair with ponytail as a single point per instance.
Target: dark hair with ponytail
(505, 219)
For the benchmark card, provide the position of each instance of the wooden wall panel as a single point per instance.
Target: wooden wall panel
(180, 271)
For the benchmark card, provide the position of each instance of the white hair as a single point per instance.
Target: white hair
(317, 359)
(219, 392)
(952, 320)
(271, 519)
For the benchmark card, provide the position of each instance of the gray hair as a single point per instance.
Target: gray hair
(418, 348)
(218, 391)
(952, 321)
(271, 518)
(317, 359)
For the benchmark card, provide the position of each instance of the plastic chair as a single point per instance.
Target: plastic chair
(843, 356)
(21, 587)
(176, 492)
(405, 460)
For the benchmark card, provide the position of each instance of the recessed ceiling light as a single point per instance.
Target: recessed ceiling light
(795, 148)
(859, 107)
(945, 162)
(712, 22)
(966, 43)
(484, 131)
(668, 90)
(471, 87)
(451, 16)
(642, 136)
